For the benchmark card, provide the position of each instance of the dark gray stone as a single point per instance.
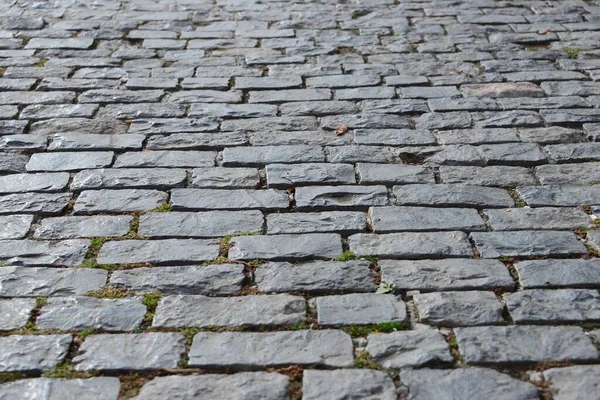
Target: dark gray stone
(488, 176)
(411, 245)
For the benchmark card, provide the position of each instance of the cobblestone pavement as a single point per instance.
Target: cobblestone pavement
(332, 199)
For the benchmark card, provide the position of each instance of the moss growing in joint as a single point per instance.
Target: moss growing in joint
(573, 52)
(384, 327)
(346, 256)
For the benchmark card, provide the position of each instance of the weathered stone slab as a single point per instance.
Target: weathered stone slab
(201, 311)
(142, 178)
(469, 308)
(554, 306)
(166, 158)
(559, 273)
(576, 382)
(488, 176)
(559, 196)
(322, 197)
(504, 89)
(80, 313)
(18, 183)
(118, 201)
(513, 219)
(464, 383)
(219, 279)
(73, 227)
(411, 245)
(316, 277)
(69, 161)
(449, 274)
(138, 351)
(568, 174)
(224, 178)
(168, 251)
(329, 348)
(360, 308)
(33, 252)
(519, 154)
(14, 314)
(217, 199)
(98, 388)
(409, 348)
(91, 141)
(239, 386)
(32, 352)
(394, 137)
(15, 226)
(256, 156)
(394, 219)
(452, 195)
(393, 173)
(527, 243)
(286, 247)
(346, 383)
(522, 344)
(286, 175)
(34, 281)
(327, 221)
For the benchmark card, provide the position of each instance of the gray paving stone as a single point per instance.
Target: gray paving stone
(80, 313)
(411, 245)
(520, 154)
(512, 219)
(168, 251)
(12, 163)
(330, 348)
(239, 386)
(527, 243)
(43, 182)
(167, 159)
(22, 142)
(73, 227)
(355, 154)
(553, 306)
(33, 353)
(69, 161)
(409, 349)
(221, 279)
(19, 97)
(120, 96)
(98, 388)
(123, 200)
(553, 134)
(521, 344)
(393, 137)
(317, 108)
(576, 382)
(559, 195)
(469, 308)
(43, 111)
(33, 252)
(224, 178)
(90, 141)
(201, 311)
(504, 89)
(559, 273)
(448, 120)
(220, 110)
(488, 176)
(316, 277)
(138, 351)
(218, 199)
(574, 174)
(477, 136)
(573, 152)
(346, 383)
(256, 156)
(34, 281)
(286, 247)
(14, 313)
(435, 384)
(327, 221)
(393, 173)
(360, 308)
(285, 175)
(448, 274)
(394, 219)
(282, 96)
(15, 226)
(109, 178)
(323, 197)
(452, 195)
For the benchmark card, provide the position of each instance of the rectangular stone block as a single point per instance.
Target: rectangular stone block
(513, 219)
(118, 201)
(110, 178)
(411, 245)
(168, 251)
(285, 175)
(393, 174)
(394, 219)
(15, 226)
(67, 161)
(327, 197)
(527, 243)
(549, 273)
(360, 309)
(73, 227)
(286, 247)
(327, 221)
(559, 195)
(217, 199)
(32, 353)
(34, 252)
(452, 195)
(263, 155)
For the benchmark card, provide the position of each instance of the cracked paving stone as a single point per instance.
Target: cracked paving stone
(524, 344)
(202, 311)
(576, 382)
(167, 251)
(360, 309)
(469, 308)
(98, 388)
(81, 313)
(286, 247)
(347, 383)
(14, 313)
(465, 383)
(33, 352)
(40, 281)
(328, 348)
(323, 197)
(527, 243)
(239, 386)
(409, 349)
(137, 351)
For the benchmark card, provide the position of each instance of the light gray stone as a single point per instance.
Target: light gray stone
(411, 245)
(360, 309)
(15, 226)
(73, 227)
(568, 174)
(286, 247)
(40, 281)
(449, 274)
(488, 176)
(166, 158)
(285, 175)
(141, 178)
(452, 195)
(465, 383)
(393, 174)
(343, 384)
(33, 252)
(469, 308)
(32, 352)
(323, 197)
(576, 382)
(513, 219)
(138, 351)
(327, 221)
(263, 155)
(239, 386)
(80, 313)
(218, 199)
(524, 344)
(118, 201)
(330, 348)
(408, 348)
(167, 251)
(14, 314)
(201, 311)
(18, 183)
(554, 306)
(316, 277)
(527, 243)
(224, 178)
(67, 161)
(90, 141)
(98, 388)
(393, 219)
(559, 273)
(218, 279)
(559, 195)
